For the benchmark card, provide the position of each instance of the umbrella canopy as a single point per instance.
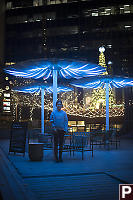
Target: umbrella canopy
(43, 68)
(99, 81)
(42, 87)
(36, 88)
(105, 81)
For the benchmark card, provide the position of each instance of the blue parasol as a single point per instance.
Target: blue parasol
(105, 81)
(44, 68)
(42, 88)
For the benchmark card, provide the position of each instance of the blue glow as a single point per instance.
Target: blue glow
(37, 89)
(42, 68)
(104, 81)
(99, 81)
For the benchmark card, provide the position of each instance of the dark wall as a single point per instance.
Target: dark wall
(2, 30)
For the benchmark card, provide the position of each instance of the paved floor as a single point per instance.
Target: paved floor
(96, 178)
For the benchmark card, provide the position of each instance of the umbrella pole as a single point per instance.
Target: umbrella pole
(54, 89)
(42, 111)
(107, 106)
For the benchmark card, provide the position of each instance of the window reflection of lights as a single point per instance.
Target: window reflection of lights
(125, 60)
(64, 49)
(52, 50)
(109, 46)
(107, 9)
(127, 26)
(95, 14)
(103, 13)
(73, 16)
(75, 48)
(126, 11)
(85, 32)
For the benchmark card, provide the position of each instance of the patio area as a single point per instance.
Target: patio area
(96, 177)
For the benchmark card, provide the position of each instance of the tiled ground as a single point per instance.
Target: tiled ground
(96, 178)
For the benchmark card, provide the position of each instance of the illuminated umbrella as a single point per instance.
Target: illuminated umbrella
(42, 88)
(44, 68)
(105, 81)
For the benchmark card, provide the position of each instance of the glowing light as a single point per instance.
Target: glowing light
(37, 89)
(107, 82)
(98, 81)
(7, 87)
(42, 69)
(109, 62)
(7, 78)
(101, 49)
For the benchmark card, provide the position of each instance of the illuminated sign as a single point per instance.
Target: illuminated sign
(7, 95)
(6, 99)
(6, 103)
(6, 109)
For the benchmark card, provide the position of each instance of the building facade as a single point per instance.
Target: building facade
(71, 29)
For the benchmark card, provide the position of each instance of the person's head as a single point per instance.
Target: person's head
(59, 104)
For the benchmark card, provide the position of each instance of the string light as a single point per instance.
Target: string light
(70, 106)
(70, 99)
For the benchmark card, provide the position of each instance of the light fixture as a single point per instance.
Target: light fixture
(101, 49)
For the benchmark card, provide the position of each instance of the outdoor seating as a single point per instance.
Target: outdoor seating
(97, 138)
(105, 138)
(114, 138)
(79, 142)
(47, 141)
(73, 142)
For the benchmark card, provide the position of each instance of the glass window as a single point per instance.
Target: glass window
(81, 129)
(50, 15)
(71, 123)
(16, 19)
(94, 14)
(121, 9)
(37, 2)
(70, 30)
(74, 129)
(108, 11)
(9, 5)
(80, 123)
(127, 9)
(22, 3)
